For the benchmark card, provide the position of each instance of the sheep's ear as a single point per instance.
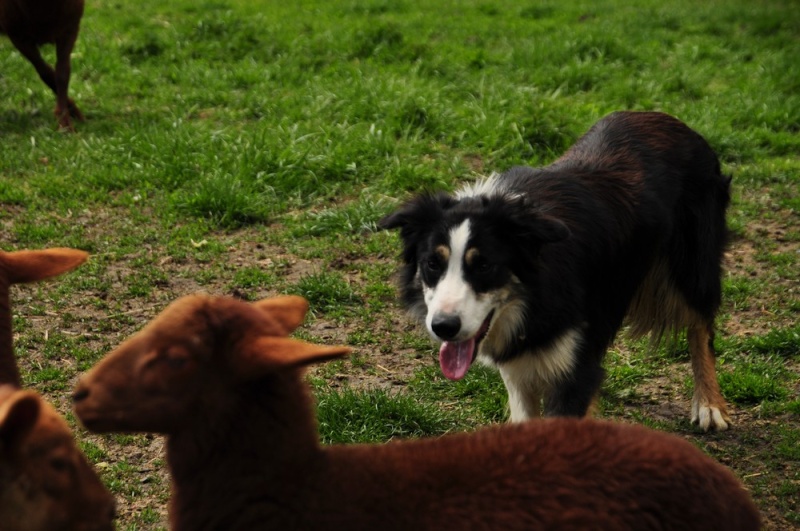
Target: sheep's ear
(272, 354)
(18, 415)
(28, 266)
(288, 310)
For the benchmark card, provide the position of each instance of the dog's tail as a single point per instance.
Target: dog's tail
(660, 310)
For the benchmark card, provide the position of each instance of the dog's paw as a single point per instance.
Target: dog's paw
(710, 417)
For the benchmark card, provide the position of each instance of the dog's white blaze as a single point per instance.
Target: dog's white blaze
(530, 374)
(453, 295)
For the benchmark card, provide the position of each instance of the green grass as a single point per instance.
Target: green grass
(374, 416)
(325, 291)
(249, 148)
(753, 382)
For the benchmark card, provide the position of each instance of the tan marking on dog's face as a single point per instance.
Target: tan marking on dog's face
(471, 254)
(443, 252)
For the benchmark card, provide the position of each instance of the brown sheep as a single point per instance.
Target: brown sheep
(46, 484)
(31, 23)
(221, 380)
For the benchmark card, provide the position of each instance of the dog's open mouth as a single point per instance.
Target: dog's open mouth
(456, 357)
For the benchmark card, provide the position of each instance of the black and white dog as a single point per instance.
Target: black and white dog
(535, 270)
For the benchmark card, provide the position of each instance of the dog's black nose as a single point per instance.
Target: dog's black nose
(446, 326)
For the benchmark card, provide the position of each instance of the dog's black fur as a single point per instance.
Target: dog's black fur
(634, 211)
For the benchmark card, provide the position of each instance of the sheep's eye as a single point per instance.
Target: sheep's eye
(176, 363)
(176, 358)
(59, 464)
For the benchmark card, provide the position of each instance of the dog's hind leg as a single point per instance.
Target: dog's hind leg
(695, 257)
(667, 316)
(708, 406)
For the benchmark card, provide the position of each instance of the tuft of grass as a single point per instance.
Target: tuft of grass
(252, 277)
(623, 375)
(226, 201)
(479, 398)
(784, 342)
(353, 218)
(325, 291)
(753, 382)
(370, 416)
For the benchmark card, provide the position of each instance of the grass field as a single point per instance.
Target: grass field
(248, 148)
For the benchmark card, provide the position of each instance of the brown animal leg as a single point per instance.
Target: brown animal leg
(58, 82)
(30, 51)
(65, 107)
(708, 406)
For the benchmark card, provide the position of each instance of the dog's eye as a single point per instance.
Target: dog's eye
(481, 265)
(432, 264)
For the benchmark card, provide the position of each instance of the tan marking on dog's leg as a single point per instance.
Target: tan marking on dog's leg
(708, 406)
(594, 407)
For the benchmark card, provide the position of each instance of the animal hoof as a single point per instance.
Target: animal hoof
(64, 117)
(66, 125)
(75, 112)
(710, 418)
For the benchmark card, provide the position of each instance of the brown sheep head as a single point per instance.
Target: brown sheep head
(46, 484)
(189, 357)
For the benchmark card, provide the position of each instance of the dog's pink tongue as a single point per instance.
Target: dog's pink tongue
(455, 358)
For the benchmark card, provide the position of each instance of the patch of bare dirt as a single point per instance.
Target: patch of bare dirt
(742, 260)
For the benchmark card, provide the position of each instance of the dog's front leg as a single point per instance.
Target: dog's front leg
(572, 396)
(524, 392)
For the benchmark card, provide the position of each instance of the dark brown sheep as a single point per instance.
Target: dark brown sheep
(222, 381)
(31, 23)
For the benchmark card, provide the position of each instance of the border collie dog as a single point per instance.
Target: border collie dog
(535, 270)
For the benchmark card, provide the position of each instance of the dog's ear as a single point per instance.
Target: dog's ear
(549, 229)
(417, 217)
(418, 213)
(525, 221)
